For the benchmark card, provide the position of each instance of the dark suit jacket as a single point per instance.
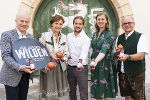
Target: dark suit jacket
(10, 73)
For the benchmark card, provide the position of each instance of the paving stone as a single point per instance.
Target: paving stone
(34, 92)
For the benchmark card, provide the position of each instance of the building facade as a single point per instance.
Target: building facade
(42, 10)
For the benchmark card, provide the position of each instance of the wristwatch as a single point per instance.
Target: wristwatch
(129, 57)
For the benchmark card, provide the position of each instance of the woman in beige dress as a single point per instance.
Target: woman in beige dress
(53, 83)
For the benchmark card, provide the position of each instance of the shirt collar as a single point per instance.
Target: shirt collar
(19, 33)
(126, 36)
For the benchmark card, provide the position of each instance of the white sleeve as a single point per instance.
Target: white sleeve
(85, 50)
(115, 47)
(142, 45)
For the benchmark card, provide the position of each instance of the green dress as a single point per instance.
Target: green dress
(103, 78)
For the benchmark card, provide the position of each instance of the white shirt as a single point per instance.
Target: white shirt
(21, 35)
(140, 47)
(78, 48)
(55, 44)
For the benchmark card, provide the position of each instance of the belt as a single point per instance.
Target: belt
(73, 66)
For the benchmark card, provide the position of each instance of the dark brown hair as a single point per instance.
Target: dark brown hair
(56, 18)
(107, 24)
(78, 17)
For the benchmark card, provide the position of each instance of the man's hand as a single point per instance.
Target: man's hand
(27, 69)
(117, 53)
(125, 57)
(80, 65)
(80, 68)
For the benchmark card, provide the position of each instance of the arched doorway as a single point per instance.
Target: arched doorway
(120, 7)
(114, 8)
(69, 9)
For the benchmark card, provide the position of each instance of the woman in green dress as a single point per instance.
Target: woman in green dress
(103, 77)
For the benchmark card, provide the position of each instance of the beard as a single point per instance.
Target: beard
(77, 31)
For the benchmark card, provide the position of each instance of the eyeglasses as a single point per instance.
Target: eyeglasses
(128, 23)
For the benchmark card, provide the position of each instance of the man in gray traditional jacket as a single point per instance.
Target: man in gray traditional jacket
(13, 75)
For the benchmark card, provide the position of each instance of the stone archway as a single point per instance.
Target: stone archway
(120, 7)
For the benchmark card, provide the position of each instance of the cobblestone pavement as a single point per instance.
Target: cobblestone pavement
(34, 92)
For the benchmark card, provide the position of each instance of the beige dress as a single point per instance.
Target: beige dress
(54, 84)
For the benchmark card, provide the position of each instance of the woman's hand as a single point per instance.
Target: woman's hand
(65, 58)
(54, 57)
(46, 68)
(50, 66)
(93, 64)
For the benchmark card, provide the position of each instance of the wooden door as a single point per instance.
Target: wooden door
(69, 9)
(88, 9)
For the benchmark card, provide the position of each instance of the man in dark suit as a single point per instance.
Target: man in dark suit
(13, 75)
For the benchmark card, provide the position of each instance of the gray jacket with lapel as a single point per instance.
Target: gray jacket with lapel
(10, 73)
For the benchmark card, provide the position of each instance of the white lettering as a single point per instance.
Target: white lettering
(20, 53)
(44, 52)
(30, 53)
(27, 53)
(35, 53)
(39, 52)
